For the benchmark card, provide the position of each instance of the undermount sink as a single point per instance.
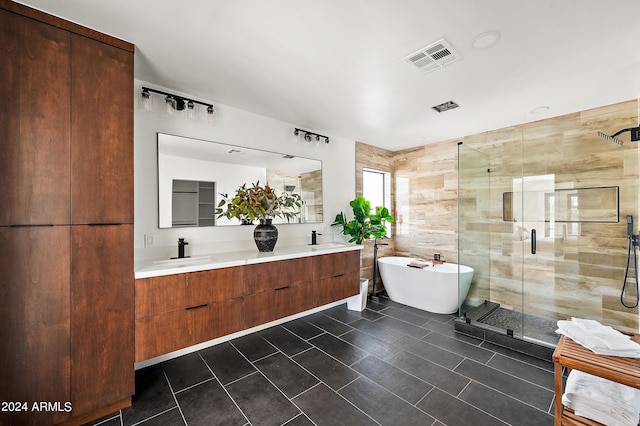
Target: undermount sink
(183, 260)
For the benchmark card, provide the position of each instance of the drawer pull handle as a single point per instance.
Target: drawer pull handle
(196, 307)
(282, 288)
(341, 275)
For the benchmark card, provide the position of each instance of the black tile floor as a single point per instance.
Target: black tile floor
(390, 365)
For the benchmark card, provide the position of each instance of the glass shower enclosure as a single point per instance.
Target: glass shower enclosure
(542, 220)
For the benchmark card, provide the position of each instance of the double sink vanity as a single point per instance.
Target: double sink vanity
(185, 302)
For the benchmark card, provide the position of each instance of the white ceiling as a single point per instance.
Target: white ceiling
(336, 66)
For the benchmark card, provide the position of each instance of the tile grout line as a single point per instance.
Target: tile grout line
(174, 396)
(224, 388)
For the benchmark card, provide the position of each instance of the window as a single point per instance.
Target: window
(376, 188)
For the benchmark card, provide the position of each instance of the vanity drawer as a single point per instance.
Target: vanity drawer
(266, 306)
(271, 275)
(327, 290)
(168, 293)
(161, 334)
(331, 265)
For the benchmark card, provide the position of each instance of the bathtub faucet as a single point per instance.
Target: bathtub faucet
(375, 268)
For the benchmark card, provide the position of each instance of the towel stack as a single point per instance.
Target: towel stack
(602, 400)
(598, 338)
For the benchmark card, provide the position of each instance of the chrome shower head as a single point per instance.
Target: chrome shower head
(610, 138)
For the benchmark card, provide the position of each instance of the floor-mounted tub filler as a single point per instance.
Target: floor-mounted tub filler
(432, 288)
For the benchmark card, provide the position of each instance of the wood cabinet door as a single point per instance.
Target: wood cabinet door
(160, 334)
(293, 299)
(34, 122)
(158, 295)
(331, 289)
(258, 308)
(271, 275)
(34, 320)
(102, 132)
(214, 285)
(102, 318)
(334, 264)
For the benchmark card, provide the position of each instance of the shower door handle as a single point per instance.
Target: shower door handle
(533, 241)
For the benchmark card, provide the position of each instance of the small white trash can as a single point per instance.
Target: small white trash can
(359, 301)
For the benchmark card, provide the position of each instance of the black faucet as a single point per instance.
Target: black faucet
(314, 238)
(181, 244)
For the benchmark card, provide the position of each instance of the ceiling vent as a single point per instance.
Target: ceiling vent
(433, 57)
(445, 106)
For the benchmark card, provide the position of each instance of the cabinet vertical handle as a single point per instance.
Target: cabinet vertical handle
(533, 241)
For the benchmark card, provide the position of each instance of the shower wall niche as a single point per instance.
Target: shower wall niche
(556, 182)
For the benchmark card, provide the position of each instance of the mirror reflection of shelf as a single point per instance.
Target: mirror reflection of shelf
(193, 203)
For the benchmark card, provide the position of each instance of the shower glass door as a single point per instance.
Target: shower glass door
(552, 241)
(474, 224)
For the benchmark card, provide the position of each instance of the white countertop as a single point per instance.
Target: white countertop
(160, 267)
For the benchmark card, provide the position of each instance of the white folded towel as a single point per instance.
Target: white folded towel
(600, 339)
(602, 400)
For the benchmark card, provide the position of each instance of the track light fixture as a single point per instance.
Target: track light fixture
(172, 104)
(307, 136)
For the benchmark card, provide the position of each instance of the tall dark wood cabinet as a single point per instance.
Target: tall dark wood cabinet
(35, 361)
(66, 220)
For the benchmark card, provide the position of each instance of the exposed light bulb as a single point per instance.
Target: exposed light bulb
(145, 101)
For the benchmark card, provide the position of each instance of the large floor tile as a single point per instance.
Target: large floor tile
(430, 372)
(520, 389)
(288, 376)
(226, 362)
(339, 349)
(403, 327)
(186, 371)
(393, 379)
(531, 373)
(382, 405)
(504, 407)
(377, 330)
(172, 417)
(253, 346)
(459, 347)
(405, 316)
(332, 372)
(196, 404)
(153, 396)
(342, 314)
(453, 411)
(260, 401)
(369, 343)
(328, 324)
(284, 340)
(326, 408)
(302, 329)
(426, 350)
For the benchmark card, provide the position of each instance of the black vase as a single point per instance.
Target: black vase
(265, 235)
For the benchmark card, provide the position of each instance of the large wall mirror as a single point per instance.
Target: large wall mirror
(192, 173)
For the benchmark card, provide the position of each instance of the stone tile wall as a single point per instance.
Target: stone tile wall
(579, 270)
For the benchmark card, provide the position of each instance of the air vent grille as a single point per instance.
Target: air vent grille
(433, 57)
(446, 106)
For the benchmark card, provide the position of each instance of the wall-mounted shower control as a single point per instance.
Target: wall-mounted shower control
(634, 240)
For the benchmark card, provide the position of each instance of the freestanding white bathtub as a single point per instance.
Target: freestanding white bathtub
(433, 288)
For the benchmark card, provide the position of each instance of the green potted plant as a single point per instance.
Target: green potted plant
(260, 202)
(364, 224)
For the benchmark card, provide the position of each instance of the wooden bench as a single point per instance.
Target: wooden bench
(572, 355)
